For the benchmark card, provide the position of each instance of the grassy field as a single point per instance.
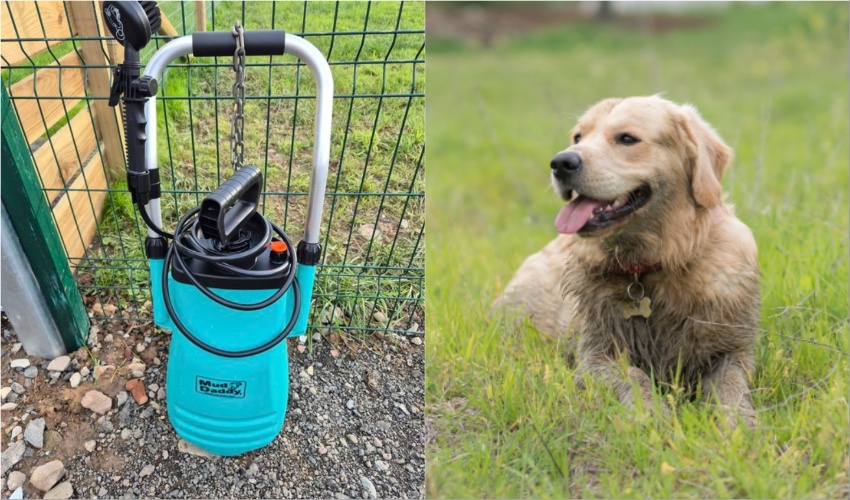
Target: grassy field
(373, 222)
(508, 420)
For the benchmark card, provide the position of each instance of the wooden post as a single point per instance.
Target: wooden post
(39, 239)
(200, 16)
(87, 22)
(166, 28)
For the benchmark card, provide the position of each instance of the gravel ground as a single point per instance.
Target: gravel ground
(354, 427)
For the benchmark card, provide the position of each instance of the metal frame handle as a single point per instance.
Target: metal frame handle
(317, 63)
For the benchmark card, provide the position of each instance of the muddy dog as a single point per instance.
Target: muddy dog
(653, 275)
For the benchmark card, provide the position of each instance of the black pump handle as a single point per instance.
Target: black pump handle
(223, 43)
(230, 206)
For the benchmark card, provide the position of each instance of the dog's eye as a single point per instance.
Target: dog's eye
(577, 138)
(627, 139)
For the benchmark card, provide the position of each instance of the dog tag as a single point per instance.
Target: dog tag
(637, 308)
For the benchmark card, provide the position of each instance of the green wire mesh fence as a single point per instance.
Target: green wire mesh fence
(372, 273)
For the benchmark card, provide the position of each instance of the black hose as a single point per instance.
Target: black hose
(180, 250)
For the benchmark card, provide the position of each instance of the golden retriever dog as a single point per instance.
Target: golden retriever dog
(652, 273)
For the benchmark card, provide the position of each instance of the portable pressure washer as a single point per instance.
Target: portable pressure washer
(230, 286)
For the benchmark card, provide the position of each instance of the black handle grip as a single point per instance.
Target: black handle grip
(223, 43)
(225, 210)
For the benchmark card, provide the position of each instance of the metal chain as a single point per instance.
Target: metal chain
(237, 121)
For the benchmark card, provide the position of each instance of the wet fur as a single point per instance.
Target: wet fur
(705, 299)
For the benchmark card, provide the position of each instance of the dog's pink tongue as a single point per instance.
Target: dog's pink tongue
(575, 214)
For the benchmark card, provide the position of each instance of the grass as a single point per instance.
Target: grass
(509, 421)
(373, 221)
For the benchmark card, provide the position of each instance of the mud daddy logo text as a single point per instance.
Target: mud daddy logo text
(220, 388)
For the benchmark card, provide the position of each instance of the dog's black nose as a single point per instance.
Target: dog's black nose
(565, 164)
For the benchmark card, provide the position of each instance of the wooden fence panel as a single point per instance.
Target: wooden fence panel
(79, 158)
(24, 20)
(74, 162)
(58, 160)
(87, 22)
(78, 211)
(51, 85)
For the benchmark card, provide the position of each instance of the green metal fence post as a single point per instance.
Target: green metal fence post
(30, 215)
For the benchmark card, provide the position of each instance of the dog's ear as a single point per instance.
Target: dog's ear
(707, 154)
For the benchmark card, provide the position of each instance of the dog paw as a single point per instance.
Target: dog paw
(745, 416)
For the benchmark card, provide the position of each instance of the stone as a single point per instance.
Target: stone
(125, 416)
(31, 372)
(184, 446)
(84, 371)
(137, 389)
(147, 470)
(90, 445)
(101, 370)
(126, 433)
(45, 476)
(97, 402)
(380, 317)
(121, 398)
(106, 424)
(34, 433)
(51, 439)
(59, 364)
(132, 367)
(310, 370)
(60, 491)
(154, 387)
(16, 480)
(18, 388)
(20, 363)
(350, 404)
(16, 431)
(5, 392)
(18, 494)
(402, 407)
(322, 449)
(352, 438)
(160, 394)
(108, 337)
(416, 340)
(75, 380)
(13, 454)
(378, 443)
(369, 487)
(8, 406)
(15, 348)
(140, 347)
